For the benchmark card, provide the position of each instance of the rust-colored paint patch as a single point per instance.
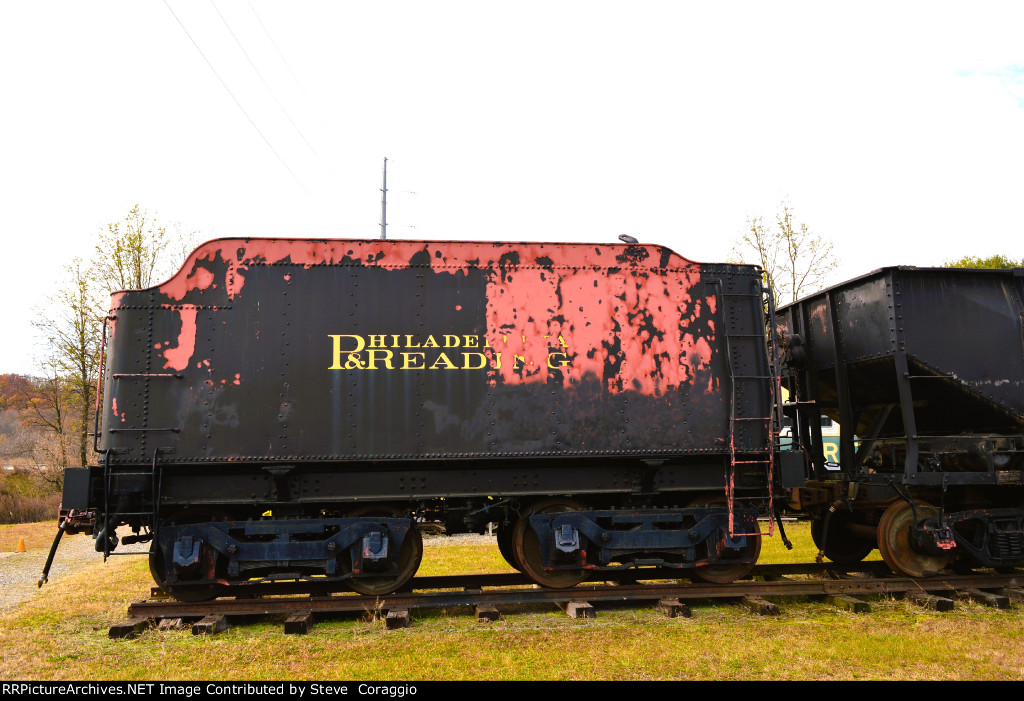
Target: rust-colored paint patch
(179, 356)
(237, 255)
(113, 408)
(627, 315)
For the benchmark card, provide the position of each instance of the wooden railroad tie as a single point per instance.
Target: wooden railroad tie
(759, 606)
(1014, 594)
(674, 608)
(397, 618)
(171, 624)
(848, 603)
(486, 612)
(999, 601)
(128, 630)
(930, 601)
(211, 625)
(578, 609)
(299, 623)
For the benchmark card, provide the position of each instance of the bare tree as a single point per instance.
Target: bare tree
(16, 441)
(71, 326)
(795, 261)
(129, 254)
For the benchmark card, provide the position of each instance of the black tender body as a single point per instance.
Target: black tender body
(288, 408)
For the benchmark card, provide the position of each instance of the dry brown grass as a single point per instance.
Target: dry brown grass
(36, 535)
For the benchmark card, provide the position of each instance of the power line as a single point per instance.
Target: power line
(265, 140)
(286, 65)
(270, 90)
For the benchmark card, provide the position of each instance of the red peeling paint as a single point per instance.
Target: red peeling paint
(624, 316)
(455, 257)
(629, 308)
(200, 279)
(179, 356)
(113, 407)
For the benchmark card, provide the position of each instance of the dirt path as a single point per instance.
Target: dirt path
(19, 572)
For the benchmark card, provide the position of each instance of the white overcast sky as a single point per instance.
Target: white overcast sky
(894, 129)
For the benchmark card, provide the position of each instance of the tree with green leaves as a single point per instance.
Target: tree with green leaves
(795, 260)
(996, 261)
(138, 252)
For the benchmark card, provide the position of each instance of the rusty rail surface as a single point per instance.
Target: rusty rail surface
(469, 591)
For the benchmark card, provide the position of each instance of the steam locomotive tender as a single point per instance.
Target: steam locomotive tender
(299, 409)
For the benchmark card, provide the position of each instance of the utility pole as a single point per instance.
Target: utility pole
(384, 203)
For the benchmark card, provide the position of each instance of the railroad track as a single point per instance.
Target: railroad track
(486, 595)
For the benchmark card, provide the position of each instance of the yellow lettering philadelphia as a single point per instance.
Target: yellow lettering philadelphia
(351, 351)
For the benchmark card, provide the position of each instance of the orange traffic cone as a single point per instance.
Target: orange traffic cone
(21, 546)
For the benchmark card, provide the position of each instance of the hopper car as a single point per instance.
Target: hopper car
(923, 370)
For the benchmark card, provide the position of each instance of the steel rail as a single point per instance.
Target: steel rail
(475, 581)
(470, 596)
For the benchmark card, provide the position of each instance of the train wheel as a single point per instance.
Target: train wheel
(840, 547)
(505, 546)
(409, 557)
(725, 573)
(527, 552)
(894, 542)
(209, 561)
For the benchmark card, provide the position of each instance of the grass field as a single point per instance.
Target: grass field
(61, 633)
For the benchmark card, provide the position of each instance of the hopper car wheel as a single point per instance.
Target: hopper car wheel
(725, 573)
(157, 566)
(894, 542)
(408, 558)
(505, 547)
(839, 547)
(527, 552)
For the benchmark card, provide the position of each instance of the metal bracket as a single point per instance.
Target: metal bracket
(567, 538)
(375, 546)
(186, 551)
